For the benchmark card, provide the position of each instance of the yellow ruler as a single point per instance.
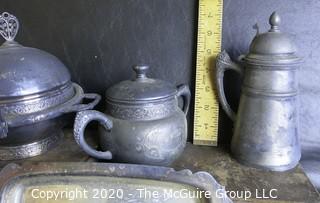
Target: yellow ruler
(208, 46)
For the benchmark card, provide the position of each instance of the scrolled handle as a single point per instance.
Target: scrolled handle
(184, 92)
(83, 118)
(224, 63)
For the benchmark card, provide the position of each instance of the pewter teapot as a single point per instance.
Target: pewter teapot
(142, 123)
(266, 125)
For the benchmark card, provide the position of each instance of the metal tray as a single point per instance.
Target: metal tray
(105, 182)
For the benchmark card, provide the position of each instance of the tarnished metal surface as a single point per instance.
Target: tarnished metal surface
(145, 98)
(266, 125)
(143, 122)
(216, 161)
(35, 91)
(19, 183)
(291, 186)
(140, 89)
(31, 149)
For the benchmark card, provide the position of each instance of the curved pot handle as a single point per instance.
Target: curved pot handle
(83, 118)
(224, 63)
(184, 92)
(81, 107)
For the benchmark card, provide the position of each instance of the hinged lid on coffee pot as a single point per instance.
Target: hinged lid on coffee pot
(272, 47)
(141, 89)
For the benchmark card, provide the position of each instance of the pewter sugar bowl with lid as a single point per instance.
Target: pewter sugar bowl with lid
(142, 124)
(35, 91)
(266, 124)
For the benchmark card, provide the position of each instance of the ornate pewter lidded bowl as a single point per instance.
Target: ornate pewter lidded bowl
(266, 125)
(35, 90)
(125, 99)
(142, 123)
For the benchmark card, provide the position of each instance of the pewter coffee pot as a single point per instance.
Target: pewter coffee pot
(142, 124)
(266, 125)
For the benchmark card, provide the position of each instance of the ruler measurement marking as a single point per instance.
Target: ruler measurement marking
(208, 46)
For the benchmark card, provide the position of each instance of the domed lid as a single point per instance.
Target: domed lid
(272, 43)
(24, 70)
(140, 89)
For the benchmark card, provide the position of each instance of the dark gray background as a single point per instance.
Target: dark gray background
(99, 41)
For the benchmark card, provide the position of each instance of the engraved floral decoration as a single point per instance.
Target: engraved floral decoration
(153, 146)
(9, 26)
(24, 151)
(143, 112)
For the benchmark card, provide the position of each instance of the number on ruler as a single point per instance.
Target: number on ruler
(208, 45)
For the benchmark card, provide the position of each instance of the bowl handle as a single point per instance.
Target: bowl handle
(184, 92)
(81, 107)
(83, 118)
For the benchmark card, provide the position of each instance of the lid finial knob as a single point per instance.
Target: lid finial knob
(9, 26)
(141, 71)
(274, 21)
